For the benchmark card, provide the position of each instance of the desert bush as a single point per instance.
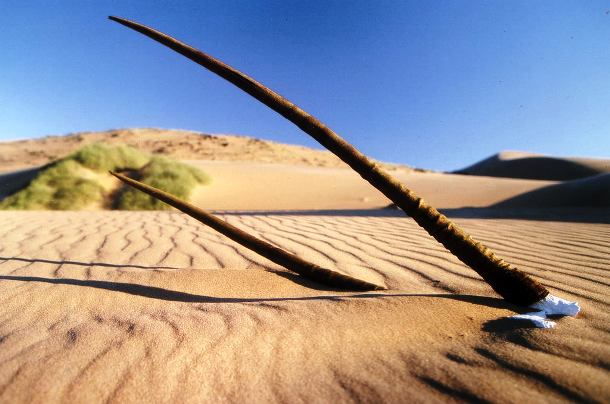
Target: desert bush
(177, 178)
(103, 157)
(59, 187)
(65, 184)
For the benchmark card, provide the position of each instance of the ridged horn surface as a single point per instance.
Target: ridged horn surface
(509, 282)
(269, 251)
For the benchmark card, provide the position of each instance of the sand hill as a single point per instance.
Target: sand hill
(586, 192)
(177, 144)
(511, 164)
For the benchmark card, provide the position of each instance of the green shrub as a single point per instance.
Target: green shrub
(102, 157)
(58, 187)
(176, 178)
(63, 186)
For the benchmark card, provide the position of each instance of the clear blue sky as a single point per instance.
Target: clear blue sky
(431, 84)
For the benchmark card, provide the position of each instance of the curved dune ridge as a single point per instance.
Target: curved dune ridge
(511, 164)
(152, 306)
(174, 143)
(586, 192)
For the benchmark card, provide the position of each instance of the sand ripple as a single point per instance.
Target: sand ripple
(123, 306)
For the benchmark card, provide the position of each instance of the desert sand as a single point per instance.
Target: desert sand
(265, 186)
(120, 306)
(153, 306)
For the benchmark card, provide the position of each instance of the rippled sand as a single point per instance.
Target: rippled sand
(123, 306)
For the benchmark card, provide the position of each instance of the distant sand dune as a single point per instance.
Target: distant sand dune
(264, 186)
(536, 166)
(135, 306)
(591, 191)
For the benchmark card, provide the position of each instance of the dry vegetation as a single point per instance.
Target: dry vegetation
(81, 180)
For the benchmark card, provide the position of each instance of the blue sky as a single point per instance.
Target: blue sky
(431, 84)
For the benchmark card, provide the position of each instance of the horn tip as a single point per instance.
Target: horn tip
(120, 20)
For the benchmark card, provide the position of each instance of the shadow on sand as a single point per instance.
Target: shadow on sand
(154, 292)
(575, 215)
(80, 263)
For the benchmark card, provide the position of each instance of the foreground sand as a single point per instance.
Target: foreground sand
(131, 306)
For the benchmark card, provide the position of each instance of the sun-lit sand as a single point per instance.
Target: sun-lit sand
(155, 307)
(265, 186)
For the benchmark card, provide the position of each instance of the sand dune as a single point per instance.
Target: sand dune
(275, 186)
(587, 192)
(152, 306)
(124, 306)
(537, 166)
(261, 186)
(177, 144)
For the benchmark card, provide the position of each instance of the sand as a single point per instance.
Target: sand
(154, 307)
(514, 164)
(264, 186)
(124, 307)
(177, 144)
(591, 191)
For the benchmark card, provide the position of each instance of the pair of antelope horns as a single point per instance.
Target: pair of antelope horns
(512, 284)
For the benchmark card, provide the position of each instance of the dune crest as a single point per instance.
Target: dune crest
(510, 164)
(591, 191)
(174, 143)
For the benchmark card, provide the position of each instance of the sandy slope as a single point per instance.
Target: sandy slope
(120, 306)
(261, 186)
(585, 192)
(512, 164)
(177, 144)
(264, 186)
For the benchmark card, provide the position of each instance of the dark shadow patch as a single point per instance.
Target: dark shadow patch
(547, 380)
(506, 325)
(591, 192)
(80, 263)
(154, 292)
(456, 359)
(17, 180)
(71, 336)
(570, 215)
(536, 168)
(577, 214)
(451, 391)
(302, 281)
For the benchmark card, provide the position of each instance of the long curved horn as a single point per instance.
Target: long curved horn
(269, 251)
(512, 284)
